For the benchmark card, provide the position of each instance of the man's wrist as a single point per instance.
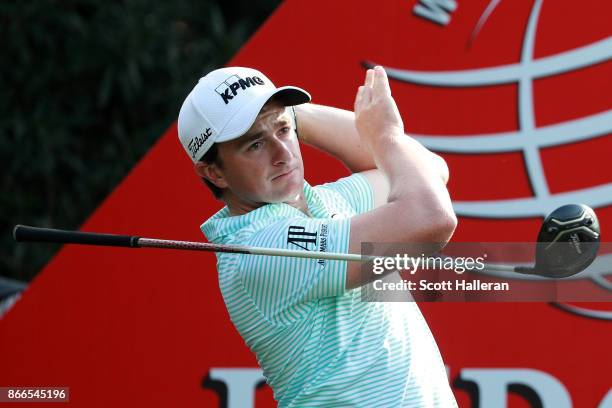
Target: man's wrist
(300, 134)
(295, 122)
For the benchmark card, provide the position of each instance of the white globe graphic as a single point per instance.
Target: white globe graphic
(528, 138)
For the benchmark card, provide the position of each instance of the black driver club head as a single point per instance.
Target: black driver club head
(567, 242)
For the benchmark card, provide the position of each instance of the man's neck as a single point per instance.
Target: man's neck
(239, 206)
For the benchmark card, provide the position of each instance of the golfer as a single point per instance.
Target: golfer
(317, 342)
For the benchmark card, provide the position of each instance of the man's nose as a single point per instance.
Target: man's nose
(281, 151)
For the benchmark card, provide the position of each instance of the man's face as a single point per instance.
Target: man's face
(264, 165)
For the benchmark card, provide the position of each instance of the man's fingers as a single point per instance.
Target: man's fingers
(369, 79)
(380, 80)
(358, 99)
(362, 98)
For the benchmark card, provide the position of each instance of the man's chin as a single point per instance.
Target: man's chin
(293, 192)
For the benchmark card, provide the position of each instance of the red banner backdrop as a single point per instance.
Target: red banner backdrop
(515, 94)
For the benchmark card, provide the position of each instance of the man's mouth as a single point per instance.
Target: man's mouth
(284, 174)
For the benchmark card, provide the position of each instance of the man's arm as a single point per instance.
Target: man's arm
(418, 208)
(333, 131)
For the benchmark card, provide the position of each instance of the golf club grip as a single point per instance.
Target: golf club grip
(36, 234)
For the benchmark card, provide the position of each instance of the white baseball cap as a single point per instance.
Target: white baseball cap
(224, 105)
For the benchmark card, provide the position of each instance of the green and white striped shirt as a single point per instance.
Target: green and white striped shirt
(318, 344)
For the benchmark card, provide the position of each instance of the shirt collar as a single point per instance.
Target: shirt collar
(221, 226)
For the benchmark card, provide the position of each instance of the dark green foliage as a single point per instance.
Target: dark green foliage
(87, 88)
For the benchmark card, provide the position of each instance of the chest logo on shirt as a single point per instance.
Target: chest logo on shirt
(298, 236)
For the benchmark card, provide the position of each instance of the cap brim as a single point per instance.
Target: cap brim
(291, 96)
(244, 119)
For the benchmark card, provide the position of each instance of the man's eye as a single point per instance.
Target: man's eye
(255, 146)
(285, 129)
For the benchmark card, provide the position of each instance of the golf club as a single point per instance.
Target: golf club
(560, 250)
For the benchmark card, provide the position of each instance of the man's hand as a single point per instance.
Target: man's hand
(376, 114)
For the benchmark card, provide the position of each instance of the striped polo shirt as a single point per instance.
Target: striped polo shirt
(318, 344)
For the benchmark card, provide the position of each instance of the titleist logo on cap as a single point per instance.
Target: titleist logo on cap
(198, 141)
(230, 87)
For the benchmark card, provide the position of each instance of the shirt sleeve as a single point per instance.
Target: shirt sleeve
(282, 287)
(356, 190)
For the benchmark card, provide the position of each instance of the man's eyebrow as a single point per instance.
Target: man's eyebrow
(252, 137)
(282, 121)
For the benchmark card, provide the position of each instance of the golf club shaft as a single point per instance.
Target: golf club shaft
(36, 234)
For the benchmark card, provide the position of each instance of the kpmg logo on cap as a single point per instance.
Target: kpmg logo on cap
(198, 141)
(230, 87)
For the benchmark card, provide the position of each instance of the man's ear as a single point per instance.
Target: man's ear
(211, 172)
